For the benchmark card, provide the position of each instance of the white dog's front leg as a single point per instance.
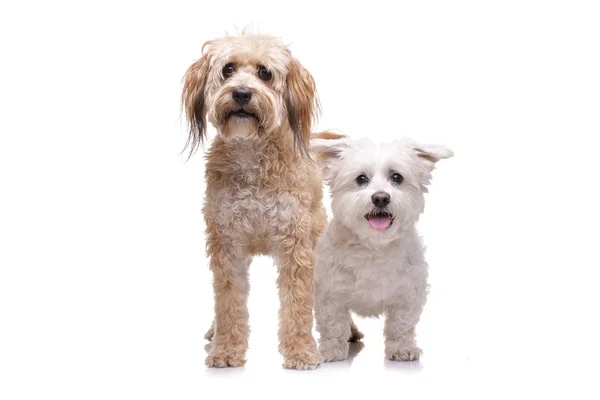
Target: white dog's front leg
(400, 343)
(333, 323)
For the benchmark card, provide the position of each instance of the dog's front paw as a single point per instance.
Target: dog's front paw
(405, 353)
(223, 358)
(309, 359)
(300, 352)
(334, 351)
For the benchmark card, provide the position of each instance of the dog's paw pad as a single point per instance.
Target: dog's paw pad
(224, 360)
(404, 354)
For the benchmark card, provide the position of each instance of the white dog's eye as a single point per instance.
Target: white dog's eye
(264, 73)
(362, 180)
(228, 70)
(397, 178)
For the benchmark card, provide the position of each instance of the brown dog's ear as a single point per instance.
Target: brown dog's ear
(192, 101)
(302, 104)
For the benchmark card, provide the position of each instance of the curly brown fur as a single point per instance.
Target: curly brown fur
(263, 195)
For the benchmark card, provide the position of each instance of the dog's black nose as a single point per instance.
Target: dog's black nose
(380, 199)
(242, 96)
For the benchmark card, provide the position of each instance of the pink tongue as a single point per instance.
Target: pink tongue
(380, 223)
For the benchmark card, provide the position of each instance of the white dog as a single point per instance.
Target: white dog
(370, 260)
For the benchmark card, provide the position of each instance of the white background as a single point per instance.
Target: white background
(105, 290)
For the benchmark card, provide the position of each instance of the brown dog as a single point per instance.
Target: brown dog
(264, 192)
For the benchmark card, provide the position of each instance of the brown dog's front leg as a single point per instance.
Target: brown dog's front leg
(231, 286)
(295, 282)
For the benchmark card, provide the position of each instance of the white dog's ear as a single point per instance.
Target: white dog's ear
(328, 148)
(433, 152)
(430, 154)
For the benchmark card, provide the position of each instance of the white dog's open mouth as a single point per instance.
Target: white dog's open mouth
(379, 220)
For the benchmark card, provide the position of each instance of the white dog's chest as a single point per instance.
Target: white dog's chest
(372, 287)
(368, 284)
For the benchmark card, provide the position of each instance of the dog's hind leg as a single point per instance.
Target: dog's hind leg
(210, 332)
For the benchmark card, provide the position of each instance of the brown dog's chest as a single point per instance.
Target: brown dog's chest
(252, 215)
(255, 196)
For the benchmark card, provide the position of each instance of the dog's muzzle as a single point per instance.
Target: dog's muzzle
(241, 107)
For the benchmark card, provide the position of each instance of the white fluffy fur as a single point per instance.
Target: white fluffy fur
(363, 270)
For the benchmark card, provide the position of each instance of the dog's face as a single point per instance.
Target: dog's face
(247, 85)
(377, 188)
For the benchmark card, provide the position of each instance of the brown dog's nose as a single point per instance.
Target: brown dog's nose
(380, 199)
(242, 96)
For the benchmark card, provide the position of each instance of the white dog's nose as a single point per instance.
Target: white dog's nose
(380, 199)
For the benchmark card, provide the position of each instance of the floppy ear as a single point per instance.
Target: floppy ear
(192, 101)
(302, 103)
(430, 154)
(328, 147)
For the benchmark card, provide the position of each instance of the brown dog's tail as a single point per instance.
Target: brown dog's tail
(327, 135)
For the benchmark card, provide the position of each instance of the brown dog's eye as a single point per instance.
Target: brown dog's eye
(228, 70)
(264, 73)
